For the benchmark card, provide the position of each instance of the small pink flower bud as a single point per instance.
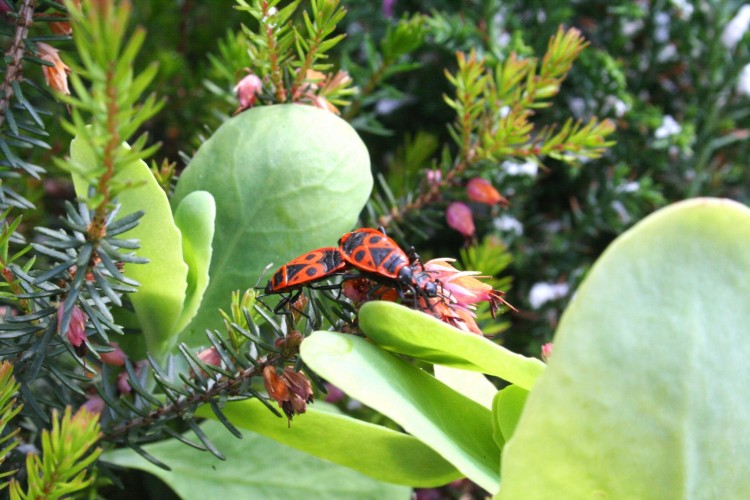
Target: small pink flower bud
(481, 191)
(458, 215)
(210, 356)
(434, 176)
(247, 91)
(122, 383)
(76, 333)
(94, 404)
(334, 394)
(546, 351)
(114, 358)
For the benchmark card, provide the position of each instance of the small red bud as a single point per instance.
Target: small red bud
(458, 215)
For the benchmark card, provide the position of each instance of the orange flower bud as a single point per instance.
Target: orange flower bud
(56, 76)
(481, 191)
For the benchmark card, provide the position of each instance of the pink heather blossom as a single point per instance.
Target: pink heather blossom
(116, 357)
(76, 333)
(481, 191)
(248, 89)
(458, 215)
(463, 287)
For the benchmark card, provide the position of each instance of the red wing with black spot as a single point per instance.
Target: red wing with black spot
(371, 251)
(305, 269)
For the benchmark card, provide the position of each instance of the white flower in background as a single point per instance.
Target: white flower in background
(684, 9)
(621, 211)
(668, 127)
(541, 293)
(508, 223)
(528, 168)
(617, 105)
(743, 82)
(628, 187)
(667, 53)
(736, 28)
(577, 106)
(630, 28)
(661, 31)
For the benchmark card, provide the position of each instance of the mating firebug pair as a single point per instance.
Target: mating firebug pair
(369, 251)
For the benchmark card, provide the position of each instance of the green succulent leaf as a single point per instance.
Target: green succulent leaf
(160, 297)
(195, 217)
(376, 451)
(286, 179)
(471, 384)
(645, 395)
(255, 467)
(450, 423)
(405, 331)
(506, 411)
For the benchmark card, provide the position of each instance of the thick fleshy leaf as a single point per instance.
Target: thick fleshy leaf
(158, 301)
(287, 179)
(195, 218)
(453, 425)
(506, 411)
(471, 384)
(379, 452)
(255, 467)
(403, 330)
(645, 395)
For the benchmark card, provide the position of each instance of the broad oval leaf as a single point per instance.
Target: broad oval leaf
(403, 330)
(376, 451)
(160, 297)
(195, 217)
(645, 395)
(453, 425)
(506, 411)
(255, 467)
(287, 179)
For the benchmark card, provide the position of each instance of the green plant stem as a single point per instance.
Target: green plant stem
(276, 73)
(98, 224)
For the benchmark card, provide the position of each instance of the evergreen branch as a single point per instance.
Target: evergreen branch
(66, 454)
(13, 72)
(8, 410)
(225, 386)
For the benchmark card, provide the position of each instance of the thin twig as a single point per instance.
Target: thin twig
(16, 52)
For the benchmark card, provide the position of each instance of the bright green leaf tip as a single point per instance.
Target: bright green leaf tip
(420, 335)
(645, 395)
